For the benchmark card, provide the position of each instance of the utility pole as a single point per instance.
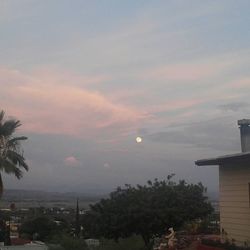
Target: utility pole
(77, 225)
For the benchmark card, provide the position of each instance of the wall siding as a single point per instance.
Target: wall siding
(234, 202)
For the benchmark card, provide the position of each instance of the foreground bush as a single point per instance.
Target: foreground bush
(131, 243)
(147, 210)
(66, 242)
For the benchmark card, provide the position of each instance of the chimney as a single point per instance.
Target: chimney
(245, 134)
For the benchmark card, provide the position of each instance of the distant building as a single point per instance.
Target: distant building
(234, 178)
(92, 242)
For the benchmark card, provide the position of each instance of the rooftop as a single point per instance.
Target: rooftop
(240, 158)
(225, 159)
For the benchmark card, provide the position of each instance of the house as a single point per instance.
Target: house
(234, 189)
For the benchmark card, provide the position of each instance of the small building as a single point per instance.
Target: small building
(234, 189)
(92, 242)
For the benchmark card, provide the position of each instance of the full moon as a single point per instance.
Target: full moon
(138, 139)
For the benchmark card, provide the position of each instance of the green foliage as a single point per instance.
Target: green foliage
(206, 225)
(55, 247)
(41, 228)
(146, 210)
(11, 157)
(2, 230)
(131, 243)
(66, 242)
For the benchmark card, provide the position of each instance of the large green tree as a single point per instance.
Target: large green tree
(146, 210)
(41, 228)
(11, 155)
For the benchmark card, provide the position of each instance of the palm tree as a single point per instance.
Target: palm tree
(11, 155)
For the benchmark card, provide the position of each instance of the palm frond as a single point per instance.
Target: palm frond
(14, 143)
(1, 117)
(11, 160)
(10, 168)
(9, 127)
(17, 159)
(20, 138)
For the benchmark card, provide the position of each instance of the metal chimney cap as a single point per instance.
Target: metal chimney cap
(245, 122)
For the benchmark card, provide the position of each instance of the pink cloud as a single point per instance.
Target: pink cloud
(241, 83)
(106, 166)
(48, 102)
(71, 161)
(186, 71)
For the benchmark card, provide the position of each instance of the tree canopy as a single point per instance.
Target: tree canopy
(11, 155)
(41, 228)
(147, 210)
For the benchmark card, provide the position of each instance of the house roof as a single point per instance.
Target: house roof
(19, 241)
(241, 158)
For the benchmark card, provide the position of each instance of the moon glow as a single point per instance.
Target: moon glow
(138, 139)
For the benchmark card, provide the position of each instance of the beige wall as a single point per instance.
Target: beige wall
(234, 202)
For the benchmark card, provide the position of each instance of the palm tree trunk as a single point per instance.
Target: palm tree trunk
(1, 186)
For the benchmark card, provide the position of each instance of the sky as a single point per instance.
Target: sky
(86, 77)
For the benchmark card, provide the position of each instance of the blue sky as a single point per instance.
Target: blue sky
(87, 77)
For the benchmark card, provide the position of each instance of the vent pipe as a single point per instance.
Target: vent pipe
(244, 125)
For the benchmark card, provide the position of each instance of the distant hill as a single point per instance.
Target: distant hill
(19, 194)
(36, 198)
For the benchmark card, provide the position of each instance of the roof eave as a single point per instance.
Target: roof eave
(225, 160)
